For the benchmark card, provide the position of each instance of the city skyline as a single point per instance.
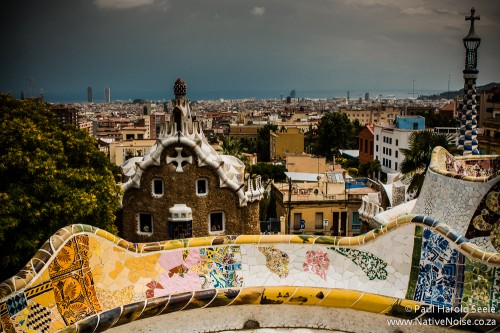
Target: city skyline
(136, 47)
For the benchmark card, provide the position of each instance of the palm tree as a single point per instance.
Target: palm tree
(231, 146)
(418, 155)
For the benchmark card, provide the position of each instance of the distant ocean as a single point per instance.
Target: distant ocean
(193, 95)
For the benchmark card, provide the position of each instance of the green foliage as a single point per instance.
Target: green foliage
(433, 119)
(368, 169)
(353, 172)
(335, 132)
(268, 171)
(50, 176)
(248, 146)
(357, 127)
(418, 155)
(347, 163)
(363, 169)
(263, 142)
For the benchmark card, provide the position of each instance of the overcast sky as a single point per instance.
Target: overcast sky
(242, 45)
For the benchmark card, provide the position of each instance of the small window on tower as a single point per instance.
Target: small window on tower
(216, 222)
(145, 224)
(202, 187)
(158, 187)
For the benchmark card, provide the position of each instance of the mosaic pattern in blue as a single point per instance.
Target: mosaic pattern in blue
(437, 276)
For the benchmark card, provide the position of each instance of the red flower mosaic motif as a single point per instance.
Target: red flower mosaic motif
(316, 262)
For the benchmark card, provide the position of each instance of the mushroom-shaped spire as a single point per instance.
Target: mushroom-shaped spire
(180, 88)
(471, 42)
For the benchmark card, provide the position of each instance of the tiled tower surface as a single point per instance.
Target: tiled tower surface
(467, 140)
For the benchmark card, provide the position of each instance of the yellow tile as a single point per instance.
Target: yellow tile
(150, 261)
(172, 244)
(45, 275)
(118, 269)
(118, 249)
(200, 241)
(340, 298)
(308, 296)
(247, 239)
(56, 322)
(46, 299)
(274, 239)
(97, 272)
(302, 239)
(344, 241)
(374, 303)
(249, 296)
(277, 295)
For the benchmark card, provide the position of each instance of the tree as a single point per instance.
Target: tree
(353, 172)
(335, 132)
(433, 119)
(373, 168)
(268, 171)
(357, 127)
(263, 142)
(50, 176)
(418, 155)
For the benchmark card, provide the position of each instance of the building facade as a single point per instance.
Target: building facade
(289, 141)
(366, 150)
(183, 188)
(390, 139)
(326, 204)
(107, 95)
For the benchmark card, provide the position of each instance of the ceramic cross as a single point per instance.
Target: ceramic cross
(179, 159)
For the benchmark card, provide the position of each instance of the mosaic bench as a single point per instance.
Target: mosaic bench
(86, 280)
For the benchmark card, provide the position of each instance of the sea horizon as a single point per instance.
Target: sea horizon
(193, 95)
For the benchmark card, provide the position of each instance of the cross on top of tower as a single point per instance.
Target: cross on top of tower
(472, 18)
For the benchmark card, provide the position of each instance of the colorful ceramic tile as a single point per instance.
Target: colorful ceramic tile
(39, 317)
(477, 284)
(316, 262)
(66, 260)
(415, 263)
(373, 266)
(438, 269)
(16, 304)
(74, 301)
(277, 295)
(276, 260)
(112, 299)
(495, 291)
(224, 264)
(486, 218)
(7, 325)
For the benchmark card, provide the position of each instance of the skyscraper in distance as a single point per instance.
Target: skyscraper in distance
(107, 95)
(90, 97)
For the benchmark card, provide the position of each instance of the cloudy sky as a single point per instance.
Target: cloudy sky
(141, 46)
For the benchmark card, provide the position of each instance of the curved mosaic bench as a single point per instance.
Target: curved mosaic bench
(463, 192)
(86, 280)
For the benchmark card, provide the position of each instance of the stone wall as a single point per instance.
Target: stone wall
(180, 188)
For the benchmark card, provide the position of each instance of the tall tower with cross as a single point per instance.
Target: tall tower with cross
(467, 140)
